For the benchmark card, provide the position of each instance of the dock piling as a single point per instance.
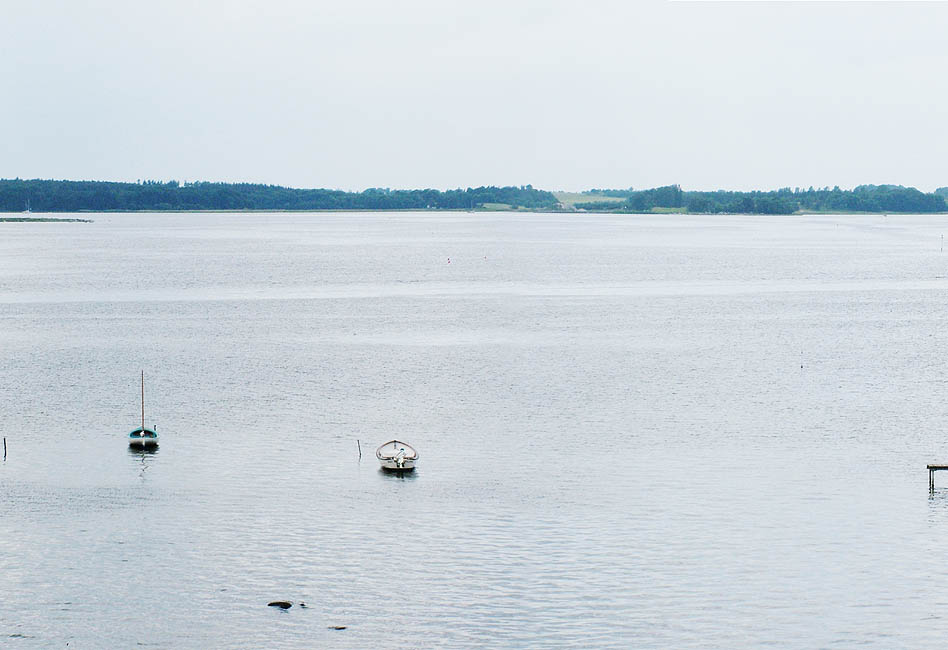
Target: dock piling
(931, 475)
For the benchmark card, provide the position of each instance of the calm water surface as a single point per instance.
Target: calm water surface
(635, 431)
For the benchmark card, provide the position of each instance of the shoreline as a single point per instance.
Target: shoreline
(14, 219)
(42, 219)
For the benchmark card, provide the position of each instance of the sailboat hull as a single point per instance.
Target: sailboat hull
(139, 439)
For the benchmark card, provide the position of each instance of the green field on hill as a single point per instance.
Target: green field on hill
(570, 199)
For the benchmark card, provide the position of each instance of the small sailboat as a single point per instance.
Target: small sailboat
(397, 455)
(143, 436)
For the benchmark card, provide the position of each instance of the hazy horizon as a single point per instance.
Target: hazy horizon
(735, 96)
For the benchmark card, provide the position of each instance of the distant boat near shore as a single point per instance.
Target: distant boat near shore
(396, 455)
(143, 436)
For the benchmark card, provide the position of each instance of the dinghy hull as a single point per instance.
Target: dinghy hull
(395, 467)
(397, 456)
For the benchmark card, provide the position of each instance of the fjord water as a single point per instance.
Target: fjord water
(635, 431)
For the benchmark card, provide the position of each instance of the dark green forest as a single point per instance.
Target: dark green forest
(865, 198)
(96, 196)
(79, 196)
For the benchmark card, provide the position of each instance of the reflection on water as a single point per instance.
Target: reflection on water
(150, 450)
(143, 455)
(399, 474)
(938, 499)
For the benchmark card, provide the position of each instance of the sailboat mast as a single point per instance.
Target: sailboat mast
(143, 404)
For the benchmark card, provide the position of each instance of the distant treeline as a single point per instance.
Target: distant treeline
(94, 196)
(865, 198)
(77, 196)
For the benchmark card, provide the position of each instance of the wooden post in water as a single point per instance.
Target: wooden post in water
(931, 475)
(143, 407)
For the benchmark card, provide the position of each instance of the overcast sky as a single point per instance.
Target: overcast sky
(433, 93)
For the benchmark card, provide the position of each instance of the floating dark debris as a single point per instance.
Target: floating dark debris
(282, 604)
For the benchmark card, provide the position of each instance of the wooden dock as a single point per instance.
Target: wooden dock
(931, 475)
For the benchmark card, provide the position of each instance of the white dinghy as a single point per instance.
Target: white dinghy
(397, 455)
